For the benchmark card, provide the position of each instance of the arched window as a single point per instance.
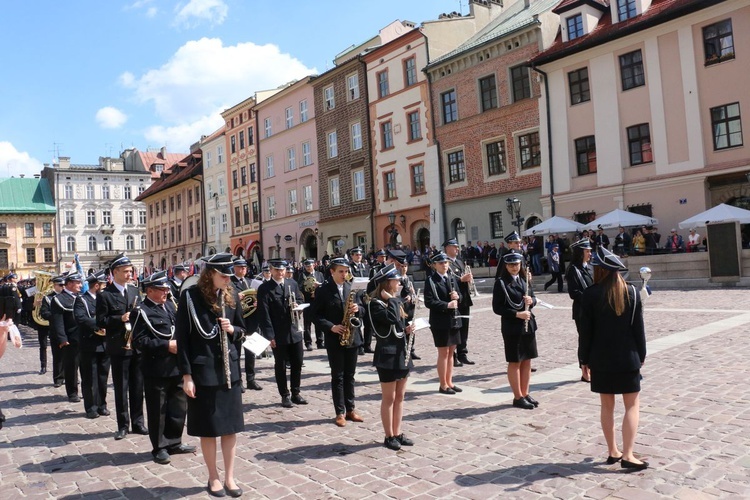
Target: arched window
(92, 243)
(108, 243)
(143, 242)
(71, 244)
(130, 242)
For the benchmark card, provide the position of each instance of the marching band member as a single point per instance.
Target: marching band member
(45, 311)
(579, 278)
(307, 275)
(391, 359)
(277, 323)
(458, 268)
(408, 296)
(441, 297)
(113, 307)
(166, 402)
(209, 322)
(179, 274)
(512, 299)
(95, 361)
(329, 315)
(241, 283)
(65, 333)
(512, 242)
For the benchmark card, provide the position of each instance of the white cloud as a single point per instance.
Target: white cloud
(197, 11)
(13, 163)
(151, 11)
(180, 137)
(109, 117)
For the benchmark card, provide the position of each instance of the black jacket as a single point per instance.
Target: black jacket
(63, 325)
(328, 311)
(390, 347)
(458, 268)
(251, 322)
(274, 314)
(301, 281)
(436, 299)
(578, 280)
(153, 328)
(506, 306)
(608, 342)
(84, 312)
(110, 306)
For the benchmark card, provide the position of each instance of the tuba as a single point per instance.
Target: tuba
(308, 285)
(43, 287)
(248, 301)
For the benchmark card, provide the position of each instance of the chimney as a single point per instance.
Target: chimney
(63, 162)
(163, 152)
(526, 4)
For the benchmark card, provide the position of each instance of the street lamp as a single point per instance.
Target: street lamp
(514, 209)
(278, 247)
(393, 231)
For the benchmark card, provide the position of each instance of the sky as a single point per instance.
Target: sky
(90, 78)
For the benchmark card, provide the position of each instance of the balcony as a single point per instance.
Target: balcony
(107, 253)
(107, 228)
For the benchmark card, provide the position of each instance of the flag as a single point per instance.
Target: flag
(79, 270)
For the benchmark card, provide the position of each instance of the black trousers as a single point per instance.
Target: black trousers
(367, 333)
(58, 373)
(71, 361)
(127, 379)
(42, 334)
(555, 277)
(343, 363)
(307, 317)
(166, 404)
(293, 354)
(249, 365)
(462, 349)
(94, 375)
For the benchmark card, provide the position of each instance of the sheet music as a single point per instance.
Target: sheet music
(300, 307)
(256, 343)
(360, 283)
(421, 323)
(542, 303)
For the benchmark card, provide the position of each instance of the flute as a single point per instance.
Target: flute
(410, 347)
(526, 304)
(224, 344)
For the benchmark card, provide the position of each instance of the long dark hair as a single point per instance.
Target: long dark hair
(615, 288)
(206, 287)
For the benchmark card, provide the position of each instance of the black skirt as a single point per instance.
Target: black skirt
(446, 338)
(615, 382)
(519, 347)
(215, 411)
(385, 375)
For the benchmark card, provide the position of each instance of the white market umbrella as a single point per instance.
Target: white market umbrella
(618, 217)
(554, 225)
(719, 213)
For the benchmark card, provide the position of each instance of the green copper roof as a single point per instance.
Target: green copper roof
(26, 196)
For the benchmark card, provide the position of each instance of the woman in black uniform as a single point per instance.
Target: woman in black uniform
(209, 323)
(612, 343)
(510, 299)
(386, 311)
(579, 277)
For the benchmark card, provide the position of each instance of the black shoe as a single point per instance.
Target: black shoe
(121, 433)
(162, 457)
(447, 390)
(613, 460)
(533, 369)
(633, 466)
(74, 398)
(309, 347)
(463, 359)
(233, 493)
(92, 414)
(140, 429)
(457, 389)
(361, 351)
(456, 361)
(298, 400)
(369, 350)
(392, 443)
(320, 345)
(414, 355)
(181, 449)
(57, 384)
(103, 411)
(584, 380)
(43, 370)
(545, 287)
(286, 402)
(405, 441)
(532, 400)
(522, 403)
(215, 493)
(242, 389)
(252, 384)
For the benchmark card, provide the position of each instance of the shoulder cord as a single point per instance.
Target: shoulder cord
(515, 305)
(392, 329)
(86, 306)
(61, 306)
(635, 302)
(141, 312)
(580, 279)
(194, 320)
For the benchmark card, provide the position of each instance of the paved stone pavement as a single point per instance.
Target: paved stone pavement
(695, 424)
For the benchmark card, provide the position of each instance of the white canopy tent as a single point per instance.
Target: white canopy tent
(719, 213)
(554, 225)
(618, 217)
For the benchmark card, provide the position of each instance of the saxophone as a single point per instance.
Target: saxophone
(350, 322)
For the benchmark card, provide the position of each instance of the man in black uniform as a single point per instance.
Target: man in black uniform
(512, 242)
(379, 263)
(307, 275)
(358, 267)
(179, 273)
(329, 315)
(166, 402)
(240, 282)
(94, 358)
(43, 333)
(458, 269)
(113, 307)
(408, 295)
(279, 324)
(64, 332)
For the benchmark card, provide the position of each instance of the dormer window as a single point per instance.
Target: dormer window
(579, 18)
(575, 26)
(625, 9)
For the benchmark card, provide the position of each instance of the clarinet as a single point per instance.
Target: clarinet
(410, 347)
(526, 305)
(224, 343)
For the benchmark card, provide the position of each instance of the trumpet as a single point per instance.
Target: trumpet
(472, 286)
(129, 328)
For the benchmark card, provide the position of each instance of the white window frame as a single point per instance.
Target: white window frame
(329, 98)
(70, 244)
(303, 111)
(358, 185)
(289, 115)
(333, 146)
(92, 244)
(70, 218)
(207, 159)
(90, 192)
(352, 87)
(91, 217)
(293, 206)
(68, 192)
(356, 135)
(308, 198)
(291, 159)
(220, 154)
(107, 217)
(142, 217)
(108, 245)
(143, 242)
(334, 192)
(128, 217)
(105, 192)
(306, 154)
(129, 242)
(269, 167)
(127, 193)
(267, 127)
(271, 201)
(224, 223)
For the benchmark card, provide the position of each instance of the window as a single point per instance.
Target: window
(236, 216)
(496, 224)
(415, 127)
(246, 214)
(358, 185)
(333, 148)
(179, 202)
(233, 144)
(224, 224)
(128, 217)
(250, 136)
(47, 255)
(521, 83)
(631, 70)
(171, 203)
(220, 154)
(89, 192)
(307, 196)
(210, 189)
(142, 217)
(179, 233)
(639, 144)
(584, 217)
(157, 208)
(70, 219)
(158, 238)
(4, 257)
(3, 229)
(253, 176)
(387, 132)
(70, 244)
(129, 242)
(271, 202)
(242, 139)
(578, 81)
(220, 180)
(267, 127)
(90, 217)
(107, 217)
(410, 71)
(207, 159)
(197, 194)
(141, 190)
(256, 215)
(68, 192)
(164, 206)
(356, 134)
(329, 98)
(625, 9)
(496, 164)
(105, 192)
(190, 232)
(291, 159)
(389, 182)
(143, 242)
(448, 103)
(727, 126)
(269, 167)
(158, 167)
(417, 179)
(31, 255)
(352, 87)
(306, 154)
(575, 26)
(528, 147)
(333, 192)
(235, 181)
(289, 116)
(383, 84)
(488, 90)
(292, 196)
(586, 155)
(46, 229)
(243, 176)
(456, 168)
(303, 111)
(718, 42)
(92, 243)
(127, 193)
